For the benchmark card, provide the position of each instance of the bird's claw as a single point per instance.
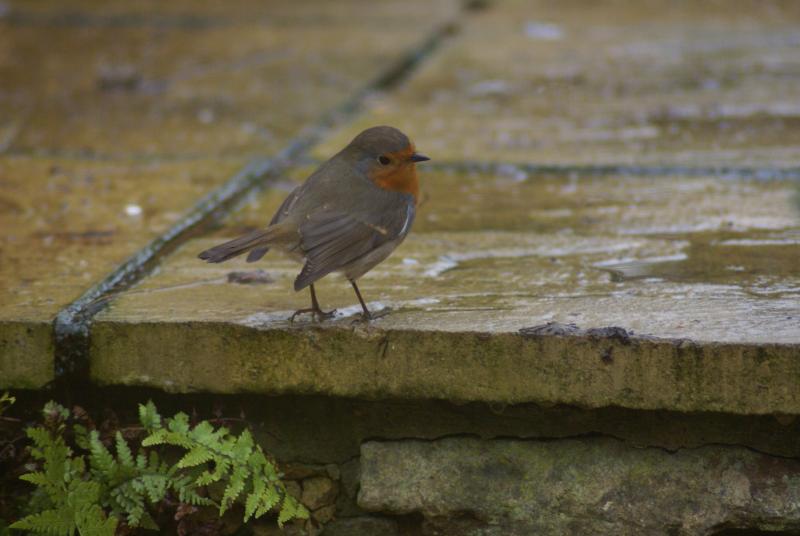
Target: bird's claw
(369, 316)
(318, 315)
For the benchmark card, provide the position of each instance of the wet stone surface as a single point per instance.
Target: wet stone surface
(609, 82)
(700, 258)
(68, 222)
(710, 260)
(189, 80)
(116, 120)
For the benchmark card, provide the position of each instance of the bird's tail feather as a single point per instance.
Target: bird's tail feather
(240, 246)
(257, 254)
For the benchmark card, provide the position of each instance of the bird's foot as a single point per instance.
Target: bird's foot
(318, 315)
(367, 316)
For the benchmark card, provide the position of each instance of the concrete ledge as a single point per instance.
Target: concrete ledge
(505, 368)
(26, 354)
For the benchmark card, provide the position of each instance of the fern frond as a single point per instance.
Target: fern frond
(126, 483)
(124, 454)
(56, 522)
(100, 458)
(235, 487)
(149, 417)
(81, 434)
(291, 509)
(250, 506)
(196, 456)
(37, 478)
(53, 409)
(179, 424)
(267, 500)
(92, 521)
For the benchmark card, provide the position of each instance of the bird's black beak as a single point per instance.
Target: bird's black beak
(416, 157)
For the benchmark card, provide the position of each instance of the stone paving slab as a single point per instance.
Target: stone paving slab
(115, 119)
(699, 258)
(609, 82)
(116, 83)
(599, 486)
(66, 224)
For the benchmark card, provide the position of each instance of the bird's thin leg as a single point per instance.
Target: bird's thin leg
(366, 315)
(316, 311)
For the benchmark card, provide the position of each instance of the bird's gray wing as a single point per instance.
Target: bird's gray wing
(331, 240)
(280, 214)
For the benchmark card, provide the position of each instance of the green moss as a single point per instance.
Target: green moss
(26, 354)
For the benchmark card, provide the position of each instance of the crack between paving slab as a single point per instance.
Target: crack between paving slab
(72, 324)
(633, 170)
(76, 18)
(607, 170)
(576, 437)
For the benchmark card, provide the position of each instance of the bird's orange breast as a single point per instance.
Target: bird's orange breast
(403, 179)
(399, 178)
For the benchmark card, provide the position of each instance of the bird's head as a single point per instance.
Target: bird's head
(387, 157)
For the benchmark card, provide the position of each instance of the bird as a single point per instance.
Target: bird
(347, 217)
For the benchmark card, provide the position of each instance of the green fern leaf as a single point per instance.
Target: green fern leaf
(235, 487)
(75, 467)
(179, 424)
(155, 439)
(41, 438)
(250, 506)
(221, 468)
(254, 498)
(56, 522)
(53, 409)
(92, 521)
(148, 523)
(267, 501)
(37, 478)
(288, 510)
(156, 487)
(149, 417)
(197, 456)
(124, 454)
(243, 447)
(100, 458)
(81, 436)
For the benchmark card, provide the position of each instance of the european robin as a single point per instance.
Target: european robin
(347, 217)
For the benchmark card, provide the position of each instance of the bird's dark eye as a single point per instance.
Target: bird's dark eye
(384, 160)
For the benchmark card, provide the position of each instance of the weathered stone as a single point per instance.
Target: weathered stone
(319, 491)
(294, 489)
(298, 471)
(325, 514)
(335, 360)
(346, 504)
(467, 526)
(581, 82)
(26, 353)
(590, 486)
(268, 527)
(693, 257)
(362, 526)
(333, 471)
(312, 528)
